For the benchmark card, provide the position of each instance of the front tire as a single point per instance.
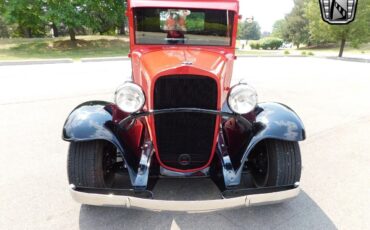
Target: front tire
(275, 163)
(90, 164)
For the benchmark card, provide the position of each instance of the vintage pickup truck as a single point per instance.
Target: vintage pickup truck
(180, 117)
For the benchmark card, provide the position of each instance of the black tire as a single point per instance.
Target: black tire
(88, 164)
(276, 163)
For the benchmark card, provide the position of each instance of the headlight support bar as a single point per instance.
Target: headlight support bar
(134, 116)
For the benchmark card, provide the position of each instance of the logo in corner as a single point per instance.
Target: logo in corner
(338, 12)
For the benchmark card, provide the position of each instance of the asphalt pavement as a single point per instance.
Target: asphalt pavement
(332, 98)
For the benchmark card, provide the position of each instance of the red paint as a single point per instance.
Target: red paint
(232, 5)
(149, 62)
(133, 137)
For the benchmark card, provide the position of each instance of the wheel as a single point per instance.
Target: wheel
(90, 164)
(275, 163)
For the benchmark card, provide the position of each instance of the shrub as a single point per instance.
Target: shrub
(286, 52)
(304, 53)
(255, 45)
(311, 54)
(266, 43)
(271, 43)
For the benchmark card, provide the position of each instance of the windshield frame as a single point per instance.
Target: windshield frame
(231, 28)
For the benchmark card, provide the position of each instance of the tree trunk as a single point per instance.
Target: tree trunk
(122, 29)
(55, 30)
(297, 45)
(28, 32)
(72, 34)
(342, 44)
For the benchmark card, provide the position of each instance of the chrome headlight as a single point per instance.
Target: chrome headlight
(129, 97)
(242, 98)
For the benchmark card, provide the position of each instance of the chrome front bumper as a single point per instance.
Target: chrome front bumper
(183, 206)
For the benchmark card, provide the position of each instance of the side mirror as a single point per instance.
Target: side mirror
(240, 17)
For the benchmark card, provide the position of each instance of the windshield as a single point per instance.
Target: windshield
(183, 26)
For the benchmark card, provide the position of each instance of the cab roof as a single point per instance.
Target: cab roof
(232, 5)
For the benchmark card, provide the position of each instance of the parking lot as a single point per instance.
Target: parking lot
(332, 98)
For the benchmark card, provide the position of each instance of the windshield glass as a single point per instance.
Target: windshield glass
(183, 26)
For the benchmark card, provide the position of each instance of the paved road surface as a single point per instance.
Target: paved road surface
(332, 98)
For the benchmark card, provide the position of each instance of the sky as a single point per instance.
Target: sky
(265, 12)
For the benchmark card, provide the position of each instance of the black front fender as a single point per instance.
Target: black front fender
(93, 120)
(89, 121)
(275, 121)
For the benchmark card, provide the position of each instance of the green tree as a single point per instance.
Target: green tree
(356, 32)
(72, 14)
(102, 16)
(4, 32)
(278, 28)
(296, 28)
(106, 16)
(27, 15)
(249, 31)
(121, 6)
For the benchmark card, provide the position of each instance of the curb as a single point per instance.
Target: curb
(104, 59)
(36, 62)
(363, 60)
(269, 56)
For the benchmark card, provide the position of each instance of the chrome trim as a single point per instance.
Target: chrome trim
(139, 90)
(182, 206)
(231, 91)
(168, 173)
(134, 116)
(230, 176)
(140, 179)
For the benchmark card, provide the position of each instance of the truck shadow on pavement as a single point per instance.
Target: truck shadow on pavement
(300, 213)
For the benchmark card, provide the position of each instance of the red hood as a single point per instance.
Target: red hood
(155, 63)
(149, 66)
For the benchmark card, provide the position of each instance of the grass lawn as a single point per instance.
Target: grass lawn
(362, 50)
(260, 52)
(50, 48)
(114, 46)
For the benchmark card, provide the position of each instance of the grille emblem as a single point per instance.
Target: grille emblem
(187, 63)
(184, 159)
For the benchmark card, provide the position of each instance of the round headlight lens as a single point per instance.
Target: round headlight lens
(242, 99)
(130, 97)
